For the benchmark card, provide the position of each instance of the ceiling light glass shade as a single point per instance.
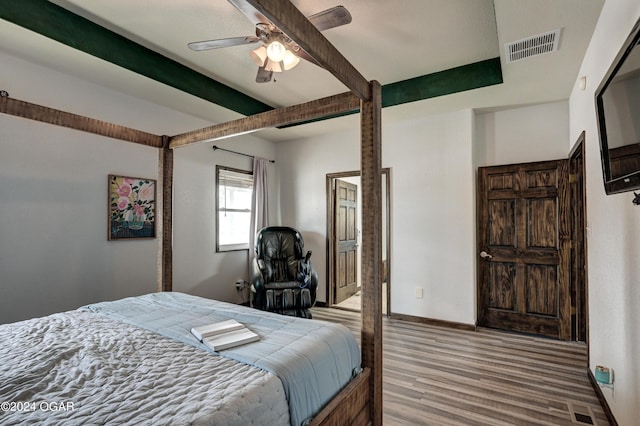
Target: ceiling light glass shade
(259, 55)
(273, 66)
(290, 60)
(276, 51)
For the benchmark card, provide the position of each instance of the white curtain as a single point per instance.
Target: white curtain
(259, 204)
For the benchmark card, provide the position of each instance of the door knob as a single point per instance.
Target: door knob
(484, 254)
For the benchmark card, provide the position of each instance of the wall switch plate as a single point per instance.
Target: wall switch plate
(419, 292)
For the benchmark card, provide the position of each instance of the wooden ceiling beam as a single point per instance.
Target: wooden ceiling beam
(332, 105)
(44, 114)
(285, 16)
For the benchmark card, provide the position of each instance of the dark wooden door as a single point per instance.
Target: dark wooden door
(346, 240)
(523, 248)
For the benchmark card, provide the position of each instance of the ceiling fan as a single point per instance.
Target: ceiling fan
(277, 52)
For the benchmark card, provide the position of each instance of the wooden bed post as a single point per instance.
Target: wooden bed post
(165, 257)
(370, 164)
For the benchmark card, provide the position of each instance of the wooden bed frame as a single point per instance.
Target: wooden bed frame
(360, 402)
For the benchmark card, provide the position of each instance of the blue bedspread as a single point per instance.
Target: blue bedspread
(313, 359)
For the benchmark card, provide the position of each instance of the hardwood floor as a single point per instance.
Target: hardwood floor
(442, 376)
(353, 302)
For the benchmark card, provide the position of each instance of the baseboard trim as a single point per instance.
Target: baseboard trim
(436, 322)
(603, 401)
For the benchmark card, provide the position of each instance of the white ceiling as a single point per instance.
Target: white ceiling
(387, 41)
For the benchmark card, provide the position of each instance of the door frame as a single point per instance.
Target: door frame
(330, 272)
(579, 280)
(579, 283)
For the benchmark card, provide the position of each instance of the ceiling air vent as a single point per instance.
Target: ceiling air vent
(532, 46)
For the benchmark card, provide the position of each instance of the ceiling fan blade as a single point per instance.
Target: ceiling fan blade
(330, 18)
(263, 75)
(222, 42)
(250, 12)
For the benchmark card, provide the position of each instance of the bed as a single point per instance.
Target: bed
(360, 402)
(134, 361)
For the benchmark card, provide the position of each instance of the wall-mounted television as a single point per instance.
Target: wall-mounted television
(618, 112)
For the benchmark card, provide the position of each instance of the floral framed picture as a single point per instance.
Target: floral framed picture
(132, 207)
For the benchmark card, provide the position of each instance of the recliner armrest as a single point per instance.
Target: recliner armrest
(256, 278)
(257, 285)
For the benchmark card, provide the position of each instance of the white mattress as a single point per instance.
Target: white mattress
(82, 368)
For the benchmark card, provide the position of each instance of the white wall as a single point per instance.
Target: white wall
(433, 162)
(302, 169)
(198, 269)
(432, 213)
(54, 253)
(613, 230)
(522, 135)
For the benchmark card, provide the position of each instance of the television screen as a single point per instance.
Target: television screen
(618, 110)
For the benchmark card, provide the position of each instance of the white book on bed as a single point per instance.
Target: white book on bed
(230, 339)
(216, 328)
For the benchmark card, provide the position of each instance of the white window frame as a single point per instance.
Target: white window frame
(233, 177)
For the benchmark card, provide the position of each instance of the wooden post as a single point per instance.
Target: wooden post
(370, 160)
(165, 273)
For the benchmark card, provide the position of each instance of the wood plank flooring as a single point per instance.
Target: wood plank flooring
(442, 376)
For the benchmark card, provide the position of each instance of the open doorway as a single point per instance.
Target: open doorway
(343, 240)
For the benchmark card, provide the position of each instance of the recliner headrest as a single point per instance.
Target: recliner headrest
(279, 242)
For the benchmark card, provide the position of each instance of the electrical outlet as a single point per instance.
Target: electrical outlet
(419, 292)
(604, 375)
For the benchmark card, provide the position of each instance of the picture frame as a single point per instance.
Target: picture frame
(132, 208)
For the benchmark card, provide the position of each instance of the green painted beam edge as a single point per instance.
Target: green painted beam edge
(59, 24)
(467, 77)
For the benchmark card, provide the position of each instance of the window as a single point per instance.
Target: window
(233, 199)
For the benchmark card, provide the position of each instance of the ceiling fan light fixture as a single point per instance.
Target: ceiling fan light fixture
(276, 51)
(273, 66)
(259, 55)
(290, 60)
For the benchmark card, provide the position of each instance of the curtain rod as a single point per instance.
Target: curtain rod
(236, 152)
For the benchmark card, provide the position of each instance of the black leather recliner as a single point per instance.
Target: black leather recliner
(283, 279)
